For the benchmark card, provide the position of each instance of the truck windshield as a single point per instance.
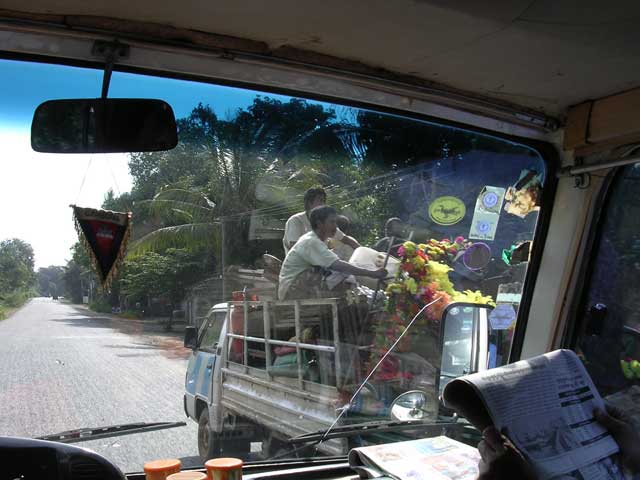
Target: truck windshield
(294, 239)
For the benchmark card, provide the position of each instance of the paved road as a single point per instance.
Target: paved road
(64, 367)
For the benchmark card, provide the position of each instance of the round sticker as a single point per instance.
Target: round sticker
(483, 227)
(489, 200)
(447, 210)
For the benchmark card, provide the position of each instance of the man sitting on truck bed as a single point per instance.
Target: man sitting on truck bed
(299, 224)
(302, 271)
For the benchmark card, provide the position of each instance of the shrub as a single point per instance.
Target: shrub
(100, 305)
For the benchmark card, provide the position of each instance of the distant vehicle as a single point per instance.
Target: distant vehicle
(54, 297)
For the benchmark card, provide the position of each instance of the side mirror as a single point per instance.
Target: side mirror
(191, 337)
(411, 405)
(464, 341)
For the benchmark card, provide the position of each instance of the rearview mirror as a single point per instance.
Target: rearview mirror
(190, 337)
(96, 125)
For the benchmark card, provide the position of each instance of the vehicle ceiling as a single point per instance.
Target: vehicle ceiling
(541, 54)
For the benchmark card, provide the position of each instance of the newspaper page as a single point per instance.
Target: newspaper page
(437, 458)
(545, 406)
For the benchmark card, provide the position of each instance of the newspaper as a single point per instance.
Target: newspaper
(437, 458)
(545, 406)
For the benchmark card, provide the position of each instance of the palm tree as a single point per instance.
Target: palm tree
(234, 168)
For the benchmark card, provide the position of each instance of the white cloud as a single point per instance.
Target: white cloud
(36, 190)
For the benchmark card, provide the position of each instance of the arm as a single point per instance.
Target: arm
(352, 242)
(346, 239)
(345, 267)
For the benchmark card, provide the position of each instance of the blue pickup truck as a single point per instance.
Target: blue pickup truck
(275, 372)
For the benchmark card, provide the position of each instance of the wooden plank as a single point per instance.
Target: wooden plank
(604, 123)
(577, 129)
(615, 116)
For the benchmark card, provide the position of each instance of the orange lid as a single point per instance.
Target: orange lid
(223, 464)
(188, 475)
(169, 464)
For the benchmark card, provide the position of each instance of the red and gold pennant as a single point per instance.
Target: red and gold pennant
(105, 235)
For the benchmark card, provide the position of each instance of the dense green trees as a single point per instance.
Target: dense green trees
(51, 281)
(161, 275)
(16, 265)
(17, 278)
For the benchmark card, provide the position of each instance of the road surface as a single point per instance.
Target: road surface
(63, 367)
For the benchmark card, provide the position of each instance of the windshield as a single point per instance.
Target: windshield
(287, 242)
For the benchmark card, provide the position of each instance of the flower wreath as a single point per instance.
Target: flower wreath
(422, 277)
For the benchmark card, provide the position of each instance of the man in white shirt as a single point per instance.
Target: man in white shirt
(299, 224)
(297, 279)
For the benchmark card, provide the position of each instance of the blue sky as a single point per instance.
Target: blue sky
(36, 189)
(24, 85)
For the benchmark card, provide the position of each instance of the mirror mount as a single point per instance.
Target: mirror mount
(110, 51)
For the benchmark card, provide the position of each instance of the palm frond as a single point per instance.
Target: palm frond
(190, 236)
(184, 195)
(178, 211)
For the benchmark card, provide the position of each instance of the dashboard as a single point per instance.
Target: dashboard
(29, 459)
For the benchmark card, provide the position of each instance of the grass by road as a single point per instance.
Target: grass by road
(11, 302)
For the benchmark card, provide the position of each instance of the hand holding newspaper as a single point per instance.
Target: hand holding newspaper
(545, 406)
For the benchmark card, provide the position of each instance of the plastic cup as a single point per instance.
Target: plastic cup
(224, 469)
(188, 475)
(161, 469)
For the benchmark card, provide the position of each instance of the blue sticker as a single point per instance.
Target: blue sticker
(489, 199)
(483, 227)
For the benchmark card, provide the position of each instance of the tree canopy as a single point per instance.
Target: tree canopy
(16, 265)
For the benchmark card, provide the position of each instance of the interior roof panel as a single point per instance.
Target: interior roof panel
(540, 54)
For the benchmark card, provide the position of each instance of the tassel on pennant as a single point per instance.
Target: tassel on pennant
(104, 235)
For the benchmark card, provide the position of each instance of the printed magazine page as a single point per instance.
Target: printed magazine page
(437, 458)
(545, 406)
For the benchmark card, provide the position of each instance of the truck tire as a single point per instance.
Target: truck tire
(208, 440)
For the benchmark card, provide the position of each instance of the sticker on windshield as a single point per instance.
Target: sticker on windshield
(490, 199)
(502, 316)
(447, 210)
(483, 226)
(487, 213)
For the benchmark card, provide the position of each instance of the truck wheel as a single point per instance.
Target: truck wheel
(208, 440)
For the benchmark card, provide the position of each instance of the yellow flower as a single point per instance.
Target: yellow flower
(411, 285)
(469, 296)
(418, 262)
(409, 248)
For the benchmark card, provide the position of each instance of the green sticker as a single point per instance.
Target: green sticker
(447, 210)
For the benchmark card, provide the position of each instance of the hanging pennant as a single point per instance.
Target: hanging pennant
(104, 234)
